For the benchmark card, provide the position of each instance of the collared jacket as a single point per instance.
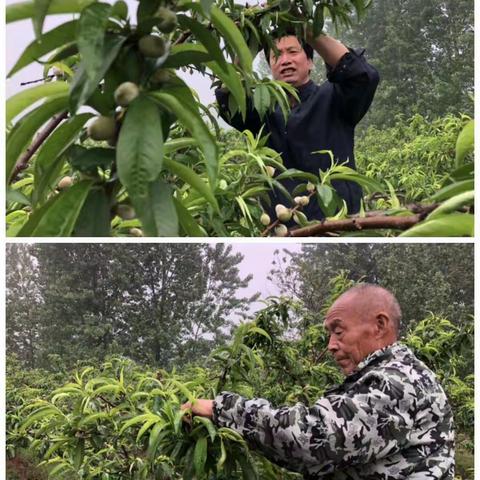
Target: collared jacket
(389, 420)
(324, 119)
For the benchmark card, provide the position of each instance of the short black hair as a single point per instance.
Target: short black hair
(278, 34)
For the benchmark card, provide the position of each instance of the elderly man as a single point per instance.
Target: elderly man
(390, 419)
(325, 118)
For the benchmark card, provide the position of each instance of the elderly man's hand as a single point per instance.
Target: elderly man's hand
(200, 407)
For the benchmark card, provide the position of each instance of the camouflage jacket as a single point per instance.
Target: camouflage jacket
(389, 420)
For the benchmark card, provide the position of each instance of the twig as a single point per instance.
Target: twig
(22, 162)
(48, 77)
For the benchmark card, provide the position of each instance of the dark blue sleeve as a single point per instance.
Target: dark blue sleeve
(252, 119)
(355, 82)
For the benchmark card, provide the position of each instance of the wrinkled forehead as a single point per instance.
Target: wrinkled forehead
(345, 309)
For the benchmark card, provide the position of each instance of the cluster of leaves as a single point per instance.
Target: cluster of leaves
(415, 156)
(122, 419)
(128, 75)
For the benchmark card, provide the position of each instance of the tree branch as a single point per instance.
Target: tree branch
(357, 223)
(22, 162)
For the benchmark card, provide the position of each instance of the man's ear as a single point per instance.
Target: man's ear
(383, 324)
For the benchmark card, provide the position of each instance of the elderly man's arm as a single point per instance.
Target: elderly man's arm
(336, 432)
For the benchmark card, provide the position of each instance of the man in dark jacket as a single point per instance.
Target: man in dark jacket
(324, 119)
(389, 419)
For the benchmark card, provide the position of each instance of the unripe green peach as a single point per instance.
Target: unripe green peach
(102, 128)
(125, 93)
(310, 187)
(65, 182)
(136, 232)
(265, 219)
(161, 76)
(302, 201)
(284, 214)
(125, 212)
(270, 170)
(152, 46)
(168, 20)
(281, 231)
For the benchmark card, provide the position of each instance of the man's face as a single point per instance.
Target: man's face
(292, 65)
(352, 333)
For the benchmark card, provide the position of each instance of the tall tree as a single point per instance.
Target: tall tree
(156, 303)
(424, 277)
(23, 303)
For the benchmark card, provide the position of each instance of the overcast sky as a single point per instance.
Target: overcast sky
(20, 34)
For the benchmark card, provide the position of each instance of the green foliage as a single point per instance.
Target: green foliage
(164, 158)
(159, 304)
(415, 155)
(119, 417)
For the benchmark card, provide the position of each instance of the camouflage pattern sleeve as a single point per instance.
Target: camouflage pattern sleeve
(335, 432)
(389, 420)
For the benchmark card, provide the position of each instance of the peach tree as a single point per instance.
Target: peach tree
(114, 142)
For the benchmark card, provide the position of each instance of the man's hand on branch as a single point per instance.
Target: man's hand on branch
(200, 407)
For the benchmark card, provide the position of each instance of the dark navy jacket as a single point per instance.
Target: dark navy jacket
(325, 119)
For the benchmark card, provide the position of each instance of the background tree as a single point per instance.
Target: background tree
(154, 303)
(439, 277)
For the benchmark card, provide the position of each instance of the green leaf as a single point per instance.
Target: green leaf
(154, 439)
(200, 456)
(16, 196)
(49, 161)
(187, 54)
(22, 100)
(94, 218)
(192, 179)
(22, 10)
(41, 9)
(58, 216)
(261, 99)
(294, 173)
(318, 20)
(369, 184)
(465, 143)
(48, 41)
(138, 419)
(19, 139)
(187, 222)
(453, 203)
(79, 453)
(91, 35)
(140, 146)
(206, 7)
(83, 87)
(183, 105)
(450, 225)
(233, 36)
(452, 190)
(326, 200)
(233, 83)
(203, 35)
(89, 160)
(156, 210)
(208, 425)
(179, 143)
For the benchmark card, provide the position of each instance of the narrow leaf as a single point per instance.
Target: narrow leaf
(58, 216)
(27, 9)
(91, 35)
(41, 9)
(233, 36)
(140, 146)
(48, 41)
(24, 99)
